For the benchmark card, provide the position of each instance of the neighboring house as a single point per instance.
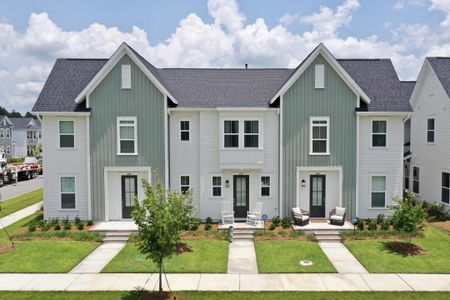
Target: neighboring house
(429, 176)
(328, 133)
(18, 136)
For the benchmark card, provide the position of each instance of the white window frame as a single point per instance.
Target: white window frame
(319, 76)
(385, 134)
(372, 191)
(2, 133)
(445, 187)
(311, 121)
(7, 133)
(75, 192)
(184, 130)
(434, 130)
(251, 134)
(8, 150)
(216, 186)
(59, 134)
(239, 145)
(134, 119)
(184, 185)
(126, 76)
(261, 186)
(418, 180)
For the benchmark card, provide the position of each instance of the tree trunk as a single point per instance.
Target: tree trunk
(160, 280)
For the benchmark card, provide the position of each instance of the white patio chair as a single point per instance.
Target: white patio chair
(227, 213)
(254, 217)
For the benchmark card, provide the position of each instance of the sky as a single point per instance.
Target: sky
(212, 33)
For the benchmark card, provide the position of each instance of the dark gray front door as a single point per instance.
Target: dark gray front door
(241, 195)
(129, 192)
(317, 196)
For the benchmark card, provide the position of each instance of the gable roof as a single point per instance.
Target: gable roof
(441, 67)
(24, 123)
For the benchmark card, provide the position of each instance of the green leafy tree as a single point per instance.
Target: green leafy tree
(408, 217)
(160, 217)
(37, 149)
(15, 114)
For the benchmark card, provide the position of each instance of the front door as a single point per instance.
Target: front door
(240, 195)
(317, 196)
(129, 192)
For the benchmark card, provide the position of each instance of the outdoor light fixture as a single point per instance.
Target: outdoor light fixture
(303, 182)
(227, 183)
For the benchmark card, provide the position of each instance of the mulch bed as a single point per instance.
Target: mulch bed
(442, 224)
(6, 248)
(155, 296)
(406, 249)
(183, 247)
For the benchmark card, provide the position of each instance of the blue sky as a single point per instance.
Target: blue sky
(213, 33)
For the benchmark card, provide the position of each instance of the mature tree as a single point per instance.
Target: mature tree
(30, 115)
(15, 114)
(408, 217)
(160, 217)
(3, 111)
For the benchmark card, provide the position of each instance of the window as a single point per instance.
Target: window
(379, 130)
(217, 186)
(184, 186)
(7, 133)
(184, 129)
(126, 76)
(2, 133)
(378, 191)
(265, 186)
(67, 192)
(319, 136)
(319, 74)
(127, 132)
(416, 178)
(66, 134)
(29, 134)
(8, 150)
(430, 130)
(231, 134)
(445, 188)
(40, 134)
(251, 134)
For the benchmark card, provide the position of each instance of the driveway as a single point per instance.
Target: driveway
(10, 190)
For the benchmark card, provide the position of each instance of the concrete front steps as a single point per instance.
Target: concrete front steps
(116, 236)
(327, 236)
(240, 234)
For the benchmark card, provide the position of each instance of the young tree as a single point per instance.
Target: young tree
(408, 217)
(160, 217)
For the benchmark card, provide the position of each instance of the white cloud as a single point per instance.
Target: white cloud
(26, 57)
(402, 4)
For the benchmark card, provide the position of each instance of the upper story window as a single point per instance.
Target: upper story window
(184, 130)
(7, 133)
(445, 188)
(127, 135)
(8, 150)
(231, 133)
(68, 192)
(430, 130)
(251, 134)
(126, 76)
(416, 179)
(2, 133)
(379, 133)
(217, 186)
(378, 192)
(29, 134)
(185, 184)
(66, 134)
(319, 76)
(320, 136)
(265, 186)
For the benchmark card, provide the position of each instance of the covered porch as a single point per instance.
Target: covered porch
(323, 225)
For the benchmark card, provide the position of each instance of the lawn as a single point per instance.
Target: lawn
(18, 226)
(378, 258)
(230, 295)
(284, 257)
(15, 204)
(204, 256)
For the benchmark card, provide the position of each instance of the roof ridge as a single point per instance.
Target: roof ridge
(80, 58)
(363, 59)
(243, 69)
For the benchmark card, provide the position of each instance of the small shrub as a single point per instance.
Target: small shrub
(272, 226)
(372, 226)
(66, 220)
(195, 223)
(367, 221)
(67, 226)
(311, 238)
(46, 226)
(77, 220)
(208, 220)
(208, 226)
(380, 219)
(437, 212)
(57, 227)
(80, 226)
(276, 221)
(360, 225)
(385, 225)
(296, 233)
(41, 224)
(31, 227)
(89, 223)
(285, 222)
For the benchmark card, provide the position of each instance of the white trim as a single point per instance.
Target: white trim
(135, 140)
(197, 109)
(121, 169)
(372, 133)
(61, 113)
(321, 49)
(357, 166)
(184, 185)
(166, 143)
(213, 186)
(371, 175)
(241, 133)
(311, 120)
(433, 117)
(60, 192)
(319, 76)
(112, 61)
(383, 113)
(88, 155)
(126, 76)
(261, 186)
(184, 130)
(280, 154)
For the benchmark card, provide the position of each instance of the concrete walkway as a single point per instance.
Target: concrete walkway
(99, 258)
(242, 257)
(342, 259)
(19, 215)
(228, 282)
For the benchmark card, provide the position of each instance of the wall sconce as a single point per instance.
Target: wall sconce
(303, 182)
(227, 183)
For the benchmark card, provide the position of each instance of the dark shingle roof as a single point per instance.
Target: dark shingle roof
(22, 122)
(378, 79)
(65, 82)
(441, 66)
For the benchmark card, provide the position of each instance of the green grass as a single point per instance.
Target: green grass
(207, 256)
(284, 257)
(45, 256)
(378, 258)
(13, 228)
(15, 204)
(230, 295)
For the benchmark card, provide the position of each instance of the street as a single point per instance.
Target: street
(11, 190)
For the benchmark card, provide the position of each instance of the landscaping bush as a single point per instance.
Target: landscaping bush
(385, 225)
(367, 221)
(296, 233)
(208, 220)
(360, 225)
(73, 235)
(380, 219)
(41, 223)
(437, 212)
(272, 226)
(31, 227)
(276, 221)
(67, 226)
(57, 227)
(66, 220)
(195, 223)
(311, 238)
(80, 226)
(372, 225)
(89, 223)
(208, 226)
(46, 226)
(77, 220)
(285, 223)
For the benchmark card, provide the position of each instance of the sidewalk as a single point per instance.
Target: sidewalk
(227, 282)
(242, 258)
(19, 215)
(99, 258)
(342, 259)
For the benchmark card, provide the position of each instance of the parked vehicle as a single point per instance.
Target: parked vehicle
(29, 169)
(7, 173)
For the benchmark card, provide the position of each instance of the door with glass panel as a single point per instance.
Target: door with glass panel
(129, 192)
(241, 195)
(317, 196)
